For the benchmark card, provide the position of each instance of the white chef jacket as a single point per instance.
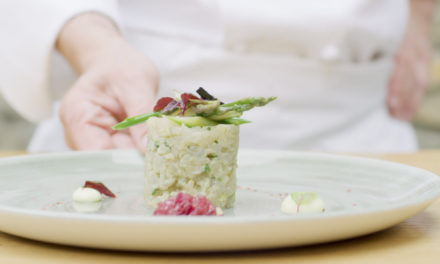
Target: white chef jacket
(329, 63)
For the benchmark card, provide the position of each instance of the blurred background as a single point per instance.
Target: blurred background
(16, 132)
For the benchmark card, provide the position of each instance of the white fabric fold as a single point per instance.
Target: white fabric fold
(29, 30)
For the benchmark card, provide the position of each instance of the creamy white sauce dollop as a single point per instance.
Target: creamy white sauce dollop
(302, 202)
(86, 195)
(218, 211)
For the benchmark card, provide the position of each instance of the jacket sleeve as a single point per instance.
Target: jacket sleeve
(28, 31)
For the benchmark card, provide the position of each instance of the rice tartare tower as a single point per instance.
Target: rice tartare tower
(194, 160)
(192, 144)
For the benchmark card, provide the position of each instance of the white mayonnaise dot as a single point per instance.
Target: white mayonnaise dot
(87, 207)
(289, 206)
(86, 195)
(218, 211)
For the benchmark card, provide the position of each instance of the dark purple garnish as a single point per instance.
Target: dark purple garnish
(162, 103)
(100, 187)
(171, 107)
(205, 95)
(186, 97)
(167, 105)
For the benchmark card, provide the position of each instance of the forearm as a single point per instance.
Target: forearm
(83, 37)
(409, 78)
(422, 13)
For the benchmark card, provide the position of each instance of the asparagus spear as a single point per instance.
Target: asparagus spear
(252, 101)
(134, 120)
(222, 115)
(236, 108)
(235, 121)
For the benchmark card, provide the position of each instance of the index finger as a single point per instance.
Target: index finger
(138, 100)
(91, 137)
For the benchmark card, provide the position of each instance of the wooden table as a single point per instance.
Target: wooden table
(417, 240)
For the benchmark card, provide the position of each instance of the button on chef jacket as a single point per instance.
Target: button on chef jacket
(329, 63)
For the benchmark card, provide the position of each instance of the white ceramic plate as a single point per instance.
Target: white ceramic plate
(362, 196)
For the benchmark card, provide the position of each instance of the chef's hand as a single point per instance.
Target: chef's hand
(409, 79)
(115, 81)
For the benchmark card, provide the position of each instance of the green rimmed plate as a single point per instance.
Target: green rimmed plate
(362, 196)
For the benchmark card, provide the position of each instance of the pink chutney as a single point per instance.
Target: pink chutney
(185, 204)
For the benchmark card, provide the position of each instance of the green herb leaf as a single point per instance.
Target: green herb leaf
(207, 168)
(302, 198)
(211, 156)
